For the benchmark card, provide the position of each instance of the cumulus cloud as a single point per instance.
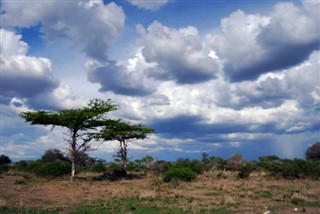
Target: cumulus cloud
(23, 76)
(92, 26)
(119, 78)
(148, 5)
(179, 54)
(251, 45)
(298, 83)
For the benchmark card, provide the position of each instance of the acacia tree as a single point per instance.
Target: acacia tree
(123, 133)
(81, 124)
(313, 152)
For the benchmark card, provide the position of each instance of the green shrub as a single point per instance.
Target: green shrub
(132, 166)
(33, 166)
(195, 165)
(4, 168)
(181, 174)
(20, 165)
(53, 169)
(100, 166)
(246, 170)
(295, 169)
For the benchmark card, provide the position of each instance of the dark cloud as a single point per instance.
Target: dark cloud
(92, 26)
(277, 57)
(118, 79)
(27, 87)
(193, 127)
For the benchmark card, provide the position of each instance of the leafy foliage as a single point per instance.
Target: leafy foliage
(235, 162)
(246, 170)
(53, 155)
(181, 174)
(4, 160)
(313, 152)
(195, 165)
(123, 132)
(81, 124)
(53, 170)
(4, 163)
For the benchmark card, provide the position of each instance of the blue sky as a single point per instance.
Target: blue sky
(220, 77)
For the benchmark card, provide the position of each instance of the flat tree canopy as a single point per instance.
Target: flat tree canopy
(81, 123)
(123, 132)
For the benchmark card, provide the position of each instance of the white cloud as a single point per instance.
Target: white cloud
(251, 45)
(11, 44)
(179, 54)
(148, 4)
(160, 82)
(120, 78)
(23, 76)
(91, 27)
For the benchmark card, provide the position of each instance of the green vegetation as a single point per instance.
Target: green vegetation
(85, 124)
(53, 169)
(4, 163)
(313, 152)
(11, 210)
(180, 174)
(124, 205)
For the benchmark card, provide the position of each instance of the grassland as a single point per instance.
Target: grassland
(147, 193)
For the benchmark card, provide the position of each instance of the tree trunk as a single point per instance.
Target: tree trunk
(73, 154)
(73, 169)
(123, 152)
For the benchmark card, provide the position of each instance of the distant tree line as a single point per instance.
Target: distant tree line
(55, 163)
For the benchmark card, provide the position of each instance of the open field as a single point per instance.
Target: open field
(148, 194)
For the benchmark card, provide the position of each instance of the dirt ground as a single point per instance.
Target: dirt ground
(258, 194)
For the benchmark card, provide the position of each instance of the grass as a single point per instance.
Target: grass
(149, 195)
(11, 210)
(212, 194)
(124, 205)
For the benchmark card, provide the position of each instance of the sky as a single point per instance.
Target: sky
(218, 76)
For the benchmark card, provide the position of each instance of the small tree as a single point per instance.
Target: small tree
(4, 160)
(123, 133)
(4, 163)
(313, 152)
(235, 162)
(147, 161)
(81, 123)
(53, 155)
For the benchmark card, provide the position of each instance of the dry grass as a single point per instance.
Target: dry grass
(258, 194)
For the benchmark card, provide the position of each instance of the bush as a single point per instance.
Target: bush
(313, 152)
(21, 165)
(114, 172)
(100, 166)
(53, 169)
(235, 162)
(295, 169)
(247, 170)
(53, 155)
(195, 165)
(4, 160)
(33, 166)
(4, 168)
(181, 174)
(160, 167)
(132, 166)
(217, 163)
